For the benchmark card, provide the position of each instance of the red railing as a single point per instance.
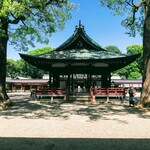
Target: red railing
(48, 92)
(110, 92)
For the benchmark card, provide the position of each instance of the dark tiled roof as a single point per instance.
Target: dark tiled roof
(27, 81)
(80, 54)
(80, 48)
(127, 81)
(38, 81)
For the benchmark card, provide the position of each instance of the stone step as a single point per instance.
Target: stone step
(79, 98)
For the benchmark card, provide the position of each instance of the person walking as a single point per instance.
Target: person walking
(131, 96)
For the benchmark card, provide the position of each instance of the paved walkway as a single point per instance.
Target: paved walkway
(30, 124)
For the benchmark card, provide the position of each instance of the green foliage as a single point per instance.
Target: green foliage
(40, 50)
(22, 68)
(134, 70)
(33, 21)
(11, 69)
(135, 49)
(134, 75)
(25, 22)
(16, 68)
(133, 21)
(22, 71)
(32, 71)
(113, 48)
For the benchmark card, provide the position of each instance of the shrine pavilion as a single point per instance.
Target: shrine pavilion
(79, 56)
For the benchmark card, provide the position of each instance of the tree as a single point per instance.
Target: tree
(32, 71)
(41, 50)
(12, 70)
(113, 48)
(22, 70)
(134, 75)
(134, 70)
(22, 22)
(134, 49)
(129, 72)
(138, 20)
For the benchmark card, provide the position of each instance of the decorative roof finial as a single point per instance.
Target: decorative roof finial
(80, 23)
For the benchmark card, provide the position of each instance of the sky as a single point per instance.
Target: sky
(99, 23)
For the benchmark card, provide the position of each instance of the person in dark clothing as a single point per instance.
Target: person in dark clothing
(131, 95)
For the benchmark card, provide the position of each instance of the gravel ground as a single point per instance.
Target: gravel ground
(35, 125)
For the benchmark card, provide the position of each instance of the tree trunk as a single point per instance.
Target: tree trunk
(3, 55)
(145, 94)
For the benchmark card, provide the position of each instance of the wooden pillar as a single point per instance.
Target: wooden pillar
(104, 82)
(56, 80)
(30, 88)
(50, 79)
(90, 76)
(11, 87)
(68, 88)
(21, 88)
(88, 82)
(109, 79)
(72, 82)
(105, 79)
(69, 84)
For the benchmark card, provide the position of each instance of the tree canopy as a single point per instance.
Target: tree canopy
(27, 70)
(133, 11)
(24, 22)
(34, 72)
(33, 21)
(11, 68)
(137, 20)
(41, 50)
(134, 70)
(113, 48)
(134, 49)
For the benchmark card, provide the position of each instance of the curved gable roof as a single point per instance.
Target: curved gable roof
(80, 48)
(79, 40)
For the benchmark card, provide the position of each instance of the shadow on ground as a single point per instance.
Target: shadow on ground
(25, 107)
(73, 144)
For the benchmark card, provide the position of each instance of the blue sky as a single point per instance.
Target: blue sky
(99, 23)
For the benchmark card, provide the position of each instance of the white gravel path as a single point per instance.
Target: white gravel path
(72, 125)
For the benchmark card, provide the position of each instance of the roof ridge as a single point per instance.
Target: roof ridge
(78, 35)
